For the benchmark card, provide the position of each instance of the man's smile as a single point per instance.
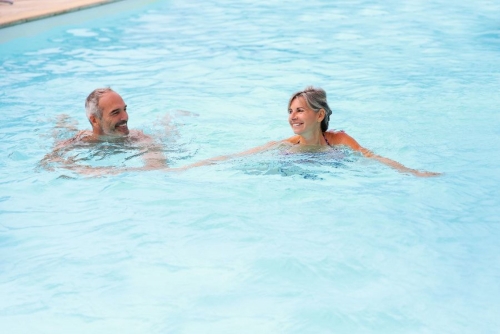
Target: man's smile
(122, 124)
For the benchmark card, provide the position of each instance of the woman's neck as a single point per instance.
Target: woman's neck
(314, 139)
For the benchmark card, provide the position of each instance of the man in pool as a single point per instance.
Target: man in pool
(107, 114)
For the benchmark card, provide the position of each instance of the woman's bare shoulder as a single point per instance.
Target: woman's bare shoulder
(340, 137)
(292, 140)
(336, 137)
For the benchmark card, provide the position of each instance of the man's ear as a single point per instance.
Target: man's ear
(94, 121)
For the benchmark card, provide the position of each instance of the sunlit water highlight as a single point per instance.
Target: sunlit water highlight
(273, 243)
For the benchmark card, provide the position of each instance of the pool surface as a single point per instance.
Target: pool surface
(272, 243)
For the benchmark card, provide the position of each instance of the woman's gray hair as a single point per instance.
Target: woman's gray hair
(92, 102)
(315, 99)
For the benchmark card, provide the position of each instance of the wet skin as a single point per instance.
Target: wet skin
(114, 116)
(306, 123)
(302, 119)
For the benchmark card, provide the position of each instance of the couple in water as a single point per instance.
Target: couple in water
(308, 116)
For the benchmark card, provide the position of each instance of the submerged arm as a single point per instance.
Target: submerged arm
(396, 165)
(220, 158)
(342, 138)
(153, 158)
(56, 155)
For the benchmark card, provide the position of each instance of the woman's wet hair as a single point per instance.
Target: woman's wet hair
(316, 100)
(92, 102)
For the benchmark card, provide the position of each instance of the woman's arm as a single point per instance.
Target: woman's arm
(342, 138)
(215, 160)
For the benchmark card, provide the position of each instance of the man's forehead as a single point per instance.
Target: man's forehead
(111, 98)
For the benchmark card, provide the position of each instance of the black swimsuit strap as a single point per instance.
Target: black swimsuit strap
(327, 143)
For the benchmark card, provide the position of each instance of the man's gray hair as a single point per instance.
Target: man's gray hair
(316, 100)
(92, 102)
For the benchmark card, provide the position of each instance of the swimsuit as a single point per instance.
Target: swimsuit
(327, 143)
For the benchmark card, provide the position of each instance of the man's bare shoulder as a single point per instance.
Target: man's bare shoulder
(83, 136)
(139, 136)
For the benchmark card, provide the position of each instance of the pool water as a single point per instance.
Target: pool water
(323, 242)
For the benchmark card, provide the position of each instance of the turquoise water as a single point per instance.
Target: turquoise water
(271, 243)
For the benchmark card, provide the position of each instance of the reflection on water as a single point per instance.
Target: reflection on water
(69, 149)
(309, 242)
(105, 153)
(287, 161)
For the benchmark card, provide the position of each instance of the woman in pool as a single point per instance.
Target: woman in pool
(308, 115)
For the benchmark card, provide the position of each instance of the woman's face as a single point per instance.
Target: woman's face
(302, 119)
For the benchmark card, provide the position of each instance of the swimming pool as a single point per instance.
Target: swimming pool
(262, 244)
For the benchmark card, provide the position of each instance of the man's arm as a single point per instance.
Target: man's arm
(56, 155)
(153, 157)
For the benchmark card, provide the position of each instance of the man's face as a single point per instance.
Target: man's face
(114, 115)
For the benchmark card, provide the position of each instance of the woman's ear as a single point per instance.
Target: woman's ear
(321, 115)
